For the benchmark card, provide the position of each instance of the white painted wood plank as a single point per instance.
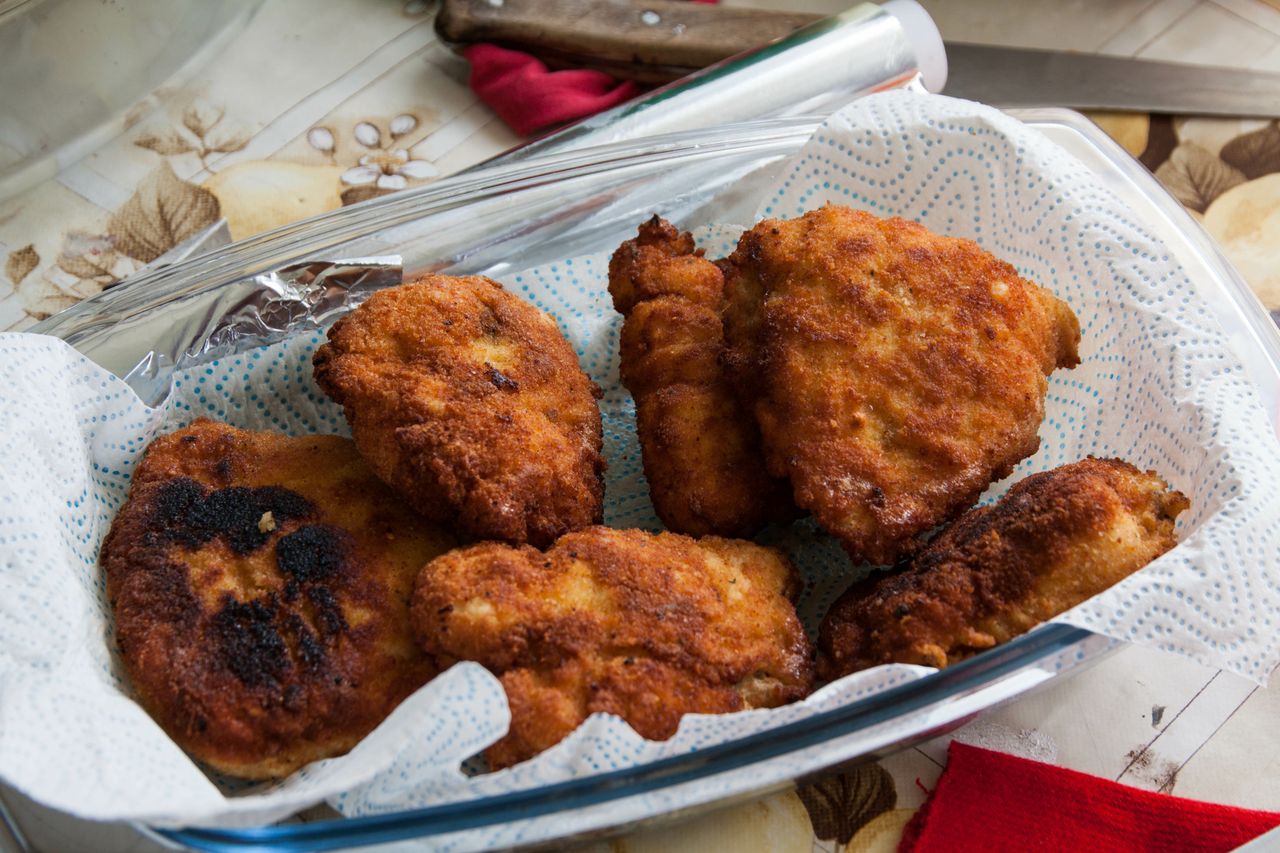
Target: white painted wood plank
(1240, 763)
(1156, 767)
(1153, 21)
(1096, 718)
(1259, 14)
(1211, 35)
(94, 187)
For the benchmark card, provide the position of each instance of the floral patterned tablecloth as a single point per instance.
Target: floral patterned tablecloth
(386, 107)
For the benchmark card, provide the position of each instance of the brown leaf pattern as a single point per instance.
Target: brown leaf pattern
(163, 212)
(200, 117)
(224, 140)
(842, 803)
(1255, 154)
(1196, 176)
(165, 142)
(21, 262)
(41, 305)
(1161, 140)
(88, 256)
(355, 195)
(82, 267)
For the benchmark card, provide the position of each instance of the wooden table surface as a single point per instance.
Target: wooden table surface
(360, 81)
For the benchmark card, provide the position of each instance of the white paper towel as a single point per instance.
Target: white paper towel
(1158, 386)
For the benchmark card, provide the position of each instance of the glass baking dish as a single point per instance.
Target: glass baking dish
(498, 219)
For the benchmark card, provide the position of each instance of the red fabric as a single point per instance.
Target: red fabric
(529, 97)
(988, 801)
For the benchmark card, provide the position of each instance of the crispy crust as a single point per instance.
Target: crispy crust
(1056, 539)
(700, 448)
(471, 404)
(894, 373)
(262, 643)
(646, 626)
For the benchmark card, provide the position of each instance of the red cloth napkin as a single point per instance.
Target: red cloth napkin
(988, 801)
(529, 97)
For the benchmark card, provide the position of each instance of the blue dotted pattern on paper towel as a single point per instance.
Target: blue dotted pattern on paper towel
(1152, 360)
(269, 388)
(1158, 386)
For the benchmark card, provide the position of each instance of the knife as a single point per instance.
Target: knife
(660, 40)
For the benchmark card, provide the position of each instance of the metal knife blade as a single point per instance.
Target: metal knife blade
(659, 40)
(1019, 77)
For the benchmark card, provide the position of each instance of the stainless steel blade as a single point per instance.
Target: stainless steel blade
(1019, 77)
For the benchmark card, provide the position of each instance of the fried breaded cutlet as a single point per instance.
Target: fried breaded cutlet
(261, 586)
(1056, 539)
(649, 627)
(894, 373)
(470, 403)
(700, 448)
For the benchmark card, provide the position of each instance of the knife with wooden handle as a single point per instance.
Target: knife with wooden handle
(653, 41)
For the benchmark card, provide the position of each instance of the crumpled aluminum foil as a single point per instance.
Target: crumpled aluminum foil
(261, 310)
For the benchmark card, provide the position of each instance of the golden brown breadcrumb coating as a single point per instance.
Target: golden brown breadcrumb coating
(894, 373)
(1056, 539)
(700, 448)
(470, 403)
(646, 626)
(260, 586)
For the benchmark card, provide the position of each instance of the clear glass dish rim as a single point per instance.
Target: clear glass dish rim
(282, 245)
(1018, 654)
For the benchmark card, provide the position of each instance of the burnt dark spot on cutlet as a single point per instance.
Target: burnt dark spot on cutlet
(249, 643)
(876, 497)
(282, 503)
(175, 500)
(328, 611)
(310, 649)
(500, 380)
(312, 554)
(232, 513)
(190, 439)
(190, 515)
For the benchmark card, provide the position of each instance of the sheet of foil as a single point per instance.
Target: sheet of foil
(261, 310)
(207, 299)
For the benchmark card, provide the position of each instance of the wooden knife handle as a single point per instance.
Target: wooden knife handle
(651, 41)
